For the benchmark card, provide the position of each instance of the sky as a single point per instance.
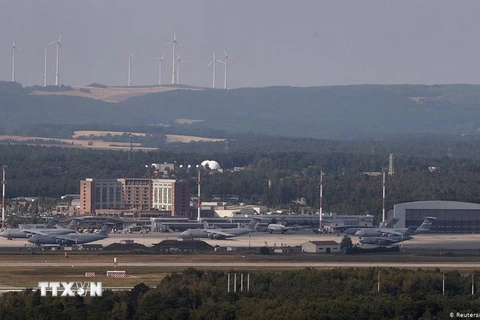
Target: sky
(274, 42)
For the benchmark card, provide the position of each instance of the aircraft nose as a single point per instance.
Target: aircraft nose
(185, 234)
(359, 233)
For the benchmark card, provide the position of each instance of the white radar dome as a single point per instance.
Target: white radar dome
(213, 165)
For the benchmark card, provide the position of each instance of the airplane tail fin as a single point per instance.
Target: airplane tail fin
(73, 224)
(50, 224)
(107, 227)
(254, 224)
(392, 222)
(426, 225)
(409, 231)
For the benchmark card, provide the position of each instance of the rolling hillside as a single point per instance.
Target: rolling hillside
(337, 112)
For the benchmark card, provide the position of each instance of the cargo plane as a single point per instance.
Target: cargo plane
(220, 233)
(68, 240)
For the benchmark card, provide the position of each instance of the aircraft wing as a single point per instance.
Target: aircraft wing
(34, 232)
(65, 238)
(392, 232)
(220, 233)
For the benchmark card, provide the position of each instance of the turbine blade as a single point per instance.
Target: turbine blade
(131, 55)
(9, 50)
(210, 63)
(168, 43)
(60, 38)
(163, 56)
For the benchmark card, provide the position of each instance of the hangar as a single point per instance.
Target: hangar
(452, 216)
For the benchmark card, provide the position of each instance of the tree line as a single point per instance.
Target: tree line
(273, 179)
(341, 293)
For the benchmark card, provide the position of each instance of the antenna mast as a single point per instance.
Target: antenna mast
(198, 196)
(4, 183)
(320, 227)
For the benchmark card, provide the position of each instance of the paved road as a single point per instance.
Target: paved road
(268, 265)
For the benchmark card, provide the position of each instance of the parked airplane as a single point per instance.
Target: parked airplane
(70, 240)
(390, 238)
(220, 233)
(379, 232)
(26, 233)
(276, 227)
(390, 224)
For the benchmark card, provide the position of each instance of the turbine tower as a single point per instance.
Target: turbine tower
(225, 62)
(214, 62)
(45, 64)
(130, 65)
(13, 48)
(160, 62)
(178, 61)
(173, 43)
(57, 71)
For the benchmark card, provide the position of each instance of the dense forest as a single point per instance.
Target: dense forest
(306, 294)
(272, 179)
(335, 112)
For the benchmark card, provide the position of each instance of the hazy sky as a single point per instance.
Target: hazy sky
(275, 42)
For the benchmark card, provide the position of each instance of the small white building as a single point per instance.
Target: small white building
(320, 247)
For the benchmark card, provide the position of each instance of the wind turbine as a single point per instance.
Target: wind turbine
(45, 64)
(160, 62)
(130, 65)
(214, 62)
(225, 62)
(57, 80)
(179, 61)
(173, 43)
(13, 48)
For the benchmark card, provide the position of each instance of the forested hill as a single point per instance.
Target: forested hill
(339, 112)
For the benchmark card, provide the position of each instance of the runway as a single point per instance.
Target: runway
(257, 239)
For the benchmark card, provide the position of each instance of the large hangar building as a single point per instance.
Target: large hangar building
(452, 216)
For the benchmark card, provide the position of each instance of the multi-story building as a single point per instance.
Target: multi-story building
(100, 194)
(171, 195)
(135, 194)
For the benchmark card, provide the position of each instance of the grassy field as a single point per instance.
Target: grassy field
(73, 143)
(65, 269)
(111, 94)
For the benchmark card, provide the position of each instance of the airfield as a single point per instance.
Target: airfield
(21, 268)
(292, 239)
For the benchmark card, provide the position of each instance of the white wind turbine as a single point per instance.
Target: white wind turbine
(57, 71)
(173, 43)
(45, 63)
(214, 62)
(225, 62)
(13, 48)
(160, 67)
(179, 61)
(130, 65)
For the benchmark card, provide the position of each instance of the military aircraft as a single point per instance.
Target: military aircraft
(390, 238)
(26, 233)
(379, 232)
(390, 224)
(69, 239)
(272, 227)
(220, 233)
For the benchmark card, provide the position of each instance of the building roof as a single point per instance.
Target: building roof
(324, 243)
